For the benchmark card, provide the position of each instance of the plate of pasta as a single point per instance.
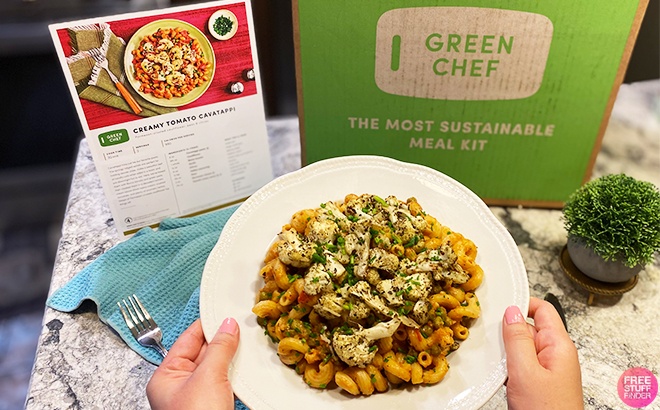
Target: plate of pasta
(169, 62)
(364, 282)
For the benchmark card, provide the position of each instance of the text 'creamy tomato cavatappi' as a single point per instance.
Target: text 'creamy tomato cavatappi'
(368, 293)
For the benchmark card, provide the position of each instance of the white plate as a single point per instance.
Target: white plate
(231, 281)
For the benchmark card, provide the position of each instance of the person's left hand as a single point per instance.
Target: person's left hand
(194, 373)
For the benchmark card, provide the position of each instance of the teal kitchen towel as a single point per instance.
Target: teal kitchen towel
(162, 267)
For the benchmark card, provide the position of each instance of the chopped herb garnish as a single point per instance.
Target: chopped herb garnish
(380, 200)
(223, 25)
(412, 242)
(318, 258)
(410, 359)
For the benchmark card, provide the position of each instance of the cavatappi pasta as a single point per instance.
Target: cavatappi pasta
(368, 293)
(169, 63)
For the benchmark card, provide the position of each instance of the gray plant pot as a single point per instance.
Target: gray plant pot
(596, 267)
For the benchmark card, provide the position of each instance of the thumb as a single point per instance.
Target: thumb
(220, 351)
(518, 341)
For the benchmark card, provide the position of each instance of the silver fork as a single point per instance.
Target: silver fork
(141, 324)
(101, 59)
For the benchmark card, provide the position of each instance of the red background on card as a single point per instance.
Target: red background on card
(231, 58)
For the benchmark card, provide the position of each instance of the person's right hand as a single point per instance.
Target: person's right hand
(542, 361)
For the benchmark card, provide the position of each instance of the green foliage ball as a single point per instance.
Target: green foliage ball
(618, 217)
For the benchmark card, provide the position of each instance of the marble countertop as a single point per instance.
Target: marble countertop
(81, 364)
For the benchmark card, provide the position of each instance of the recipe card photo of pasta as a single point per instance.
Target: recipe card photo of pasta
(368, 294)
(169, 62)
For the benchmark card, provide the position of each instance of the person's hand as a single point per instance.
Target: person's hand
(194, 373)
(542, 361)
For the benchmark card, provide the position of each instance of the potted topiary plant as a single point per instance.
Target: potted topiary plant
(613, 225)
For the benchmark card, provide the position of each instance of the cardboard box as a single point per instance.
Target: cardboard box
(510, 98)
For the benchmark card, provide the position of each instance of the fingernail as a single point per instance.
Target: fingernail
(229, 325)
(512, 315)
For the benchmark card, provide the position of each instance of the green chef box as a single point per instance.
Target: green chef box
(510, 98)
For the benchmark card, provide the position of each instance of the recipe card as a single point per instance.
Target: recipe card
(171, 104)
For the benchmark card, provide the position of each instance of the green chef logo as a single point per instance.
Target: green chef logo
(113, 138)
(461, 53)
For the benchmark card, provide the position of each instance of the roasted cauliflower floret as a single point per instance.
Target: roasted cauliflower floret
(333, 267)
(330, 305)
(391, 293)
(356, 348)
(351, 243)
(417, 286)
(362, 290)
(421, 311)
(441, 262)
(457, 275)
(362, 257)
(444, 257)
(381, 259)
(359, 206)
(294, 251)
(358, 310)
(405, 229)
(372, 276)
(317, 280)
(322, 231)
(330, 211)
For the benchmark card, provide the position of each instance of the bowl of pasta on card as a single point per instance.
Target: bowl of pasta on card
(364, 282)
(169, 62)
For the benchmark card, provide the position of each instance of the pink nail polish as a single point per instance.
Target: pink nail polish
(512, 315)
(229, 325)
